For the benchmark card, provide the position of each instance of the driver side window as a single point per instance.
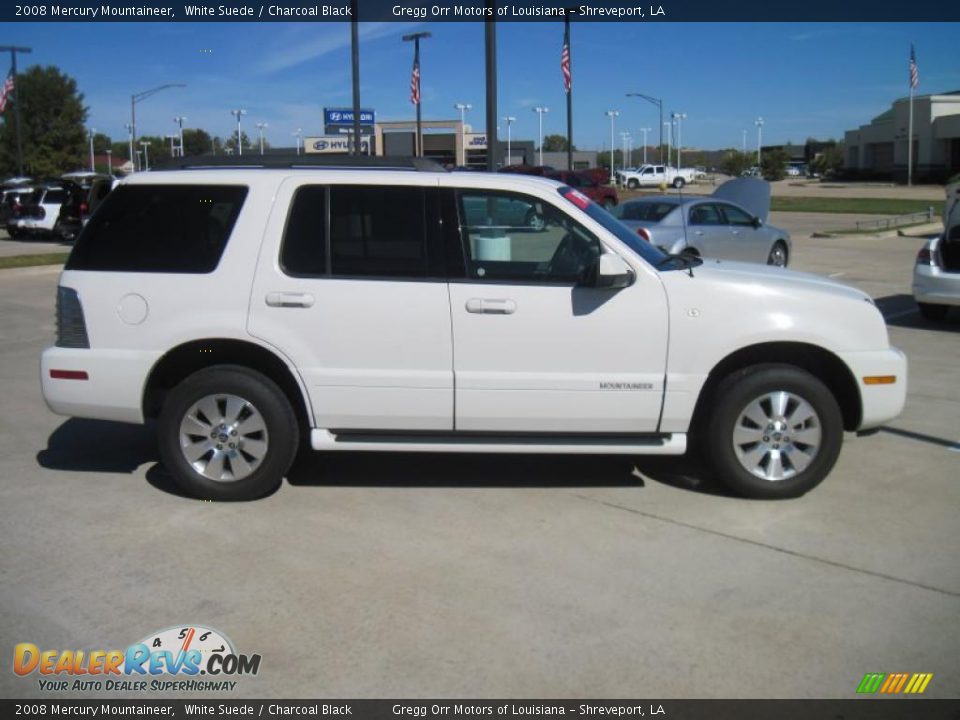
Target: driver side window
(512, 237)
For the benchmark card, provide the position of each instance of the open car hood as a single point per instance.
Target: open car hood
(752, 194)
(951, 212)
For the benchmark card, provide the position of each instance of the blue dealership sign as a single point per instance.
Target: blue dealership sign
(344, 116)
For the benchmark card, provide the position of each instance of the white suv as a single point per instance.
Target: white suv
(412, 310)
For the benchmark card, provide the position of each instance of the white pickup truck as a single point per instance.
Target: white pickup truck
(656, 175)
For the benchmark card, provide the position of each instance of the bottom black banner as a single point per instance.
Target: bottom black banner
(892, 709)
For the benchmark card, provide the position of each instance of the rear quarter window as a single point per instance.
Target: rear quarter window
(159, 228)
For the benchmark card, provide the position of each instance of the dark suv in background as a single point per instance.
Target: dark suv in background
(84, 194)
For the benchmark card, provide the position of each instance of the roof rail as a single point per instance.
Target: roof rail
(287, 161)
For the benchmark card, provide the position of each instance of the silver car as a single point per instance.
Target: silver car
(936, 275)
(729, 225)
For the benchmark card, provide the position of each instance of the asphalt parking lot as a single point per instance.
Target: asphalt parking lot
(517, 576)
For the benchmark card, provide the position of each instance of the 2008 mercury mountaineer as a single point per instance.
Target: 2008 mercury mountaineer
(404, 309)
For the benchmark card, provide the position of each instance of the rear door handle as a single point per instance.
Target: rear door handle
(289, 299)
(698, 232)
(491, 307)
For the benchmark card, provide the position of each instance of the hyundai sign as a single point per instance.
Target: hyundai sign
(344, 116)
(341, 144)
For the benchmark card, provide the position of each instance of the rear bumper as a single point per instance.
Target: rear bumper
(933, 285)
(112, 390)
(883, 402)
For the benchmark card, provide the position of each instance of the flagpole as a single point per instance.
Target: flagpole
(910, 142)
(16, 100)
(415, 37)
(566, 42)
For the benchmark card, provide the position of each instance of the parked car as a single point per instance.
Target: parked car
(936, 274)
(604, 195)
(84, 195)
(370, 310)
(12, 200)
(39, 213)
(713, 226)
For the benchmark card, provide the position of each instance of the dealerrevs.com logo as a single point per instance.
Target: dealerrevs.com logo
(169, 660)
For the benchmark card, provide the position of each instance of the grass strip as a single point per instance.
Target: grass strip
(16, 261)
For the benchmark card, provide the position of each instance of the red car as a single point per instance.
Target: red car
(604, 195)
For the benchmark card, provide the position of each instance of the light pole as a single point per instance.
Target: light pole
(539, 110)
(260, 128)
(415, 85)
(679, 117)
(137, 97)
(299, 136)
(659, 103)
(146, 154)
(744, 142)
(645, 131)
(759, 123)
(669, 126)
(133, 158)
(173, 146)
(239, 113)
(90, 133)
(624, 141)
(463, 107)
(179, 120)
(510, 120)
(109, 162)
(611, 114)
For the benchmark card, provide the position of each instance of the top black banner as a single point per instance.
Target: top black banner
(501, 11)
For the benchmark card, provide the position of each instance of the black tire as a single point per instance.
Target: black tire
(779, 255)
(633, 183)
(936, 313)
(742, 390)
(269, 405)
(679, 182)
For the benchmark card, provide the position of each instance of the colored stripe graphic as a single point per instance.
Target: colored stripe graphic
(894, 683)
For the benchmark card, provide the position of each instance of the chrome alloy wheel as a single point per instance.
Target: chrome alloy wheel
(777, 436)
(223, 437)
(778, 256)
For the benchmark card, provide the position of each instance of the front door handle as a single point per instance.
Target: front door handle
(289, 299)
(491, 307)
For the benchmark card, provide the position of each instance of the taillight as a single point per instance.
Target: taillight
(71, 326)
(644, 233)
(925, 257)
(84, 208)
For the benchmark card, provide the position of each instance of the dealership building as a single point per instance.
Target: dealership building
(449, 142)
(880, 147)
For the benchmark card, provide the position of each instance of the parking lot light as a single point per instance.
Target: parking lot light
(463, 107)
(137, 97)
(659, 103)
(510, 120)
(759, 123)
(679, 118)
(146, 154)
(260, 128)
(90, 134)
(299, 136)
(611, 114)
(540, 111)
(239, 113)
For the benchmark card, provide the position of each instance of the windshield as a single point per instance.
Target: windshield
(645, 250)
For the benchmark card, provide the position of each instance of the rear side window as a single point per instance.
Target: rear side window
(648, 211)
(55, 196)
(356, 231)
(159, 228)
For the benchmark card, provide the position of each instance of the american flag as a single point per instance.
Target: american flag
(914, 72)
(565, 65)
(6, 91)
(415, 82)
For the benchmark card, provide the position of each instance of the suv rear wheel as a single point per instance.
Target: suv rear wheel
(775, 432)
(227, 433)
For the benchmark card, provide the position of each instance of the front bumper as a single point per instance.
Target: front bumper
(880, 403)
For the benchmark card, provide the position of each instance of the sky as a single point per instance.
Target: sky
(803, 79)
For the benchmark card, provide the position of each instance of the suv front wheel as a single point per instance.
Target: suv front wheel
(775, 432)
(227, 433)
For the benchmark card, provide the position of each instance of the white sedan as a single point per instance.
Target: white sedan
(936, 275)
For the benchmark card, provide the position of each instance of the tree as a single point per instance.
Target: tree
(231, 142)
(101, 143)
(196, 142)
(52, 118)
(736, 162)
(773, 164)
(828, 160)
(556, 143)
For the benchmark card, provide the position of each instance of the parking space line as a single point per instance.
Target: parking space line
(902, 313)
(836, 274)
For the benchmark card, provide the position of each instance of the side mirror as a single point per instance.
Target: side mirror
(757, 222)
(610, 272)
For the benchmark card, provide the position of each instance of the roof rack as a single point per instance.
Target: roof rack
(343, 162)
